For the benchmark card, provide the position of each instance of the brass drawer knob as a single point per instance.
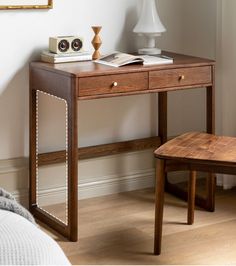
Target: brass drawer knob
(181, 77)
(114, 84)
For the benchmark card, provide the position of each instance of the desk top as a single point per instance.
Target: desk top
(89, 68)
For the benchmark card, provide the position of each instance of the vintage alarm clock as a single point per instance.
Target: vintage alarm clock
(65, 44)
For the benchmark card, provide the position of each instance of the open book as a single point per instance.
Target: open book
(118, 59)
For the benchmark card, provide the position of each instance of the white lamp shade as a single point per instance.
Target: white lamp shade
(149, 21)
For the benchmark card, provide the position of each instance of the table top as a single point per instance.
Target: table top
(202, 147)
(89, 68)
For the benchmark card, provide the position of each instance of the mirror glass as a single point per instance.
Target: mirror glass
(51, 141)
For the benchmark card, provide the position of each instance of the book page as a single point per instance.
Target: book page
(119, 58)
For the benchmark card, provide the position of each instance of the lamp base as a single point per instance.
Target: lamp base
(149, 51)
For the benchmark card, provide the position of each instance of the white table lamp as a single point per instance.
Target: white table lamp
(149, 26)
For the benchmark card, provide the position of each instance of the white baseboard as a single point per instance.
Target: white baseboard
(109, 185)
(115, 184)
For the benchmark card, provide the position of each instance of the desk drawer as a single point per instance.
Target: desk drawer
(113, 84)
(180, 77)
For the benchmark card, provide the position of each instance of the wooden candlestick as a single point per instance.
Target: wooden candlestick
(96, 42)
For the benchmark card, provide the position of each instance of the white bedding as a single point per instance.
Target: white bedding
(22, 243)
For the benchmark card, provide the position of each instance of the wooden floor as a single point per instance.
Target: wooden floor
(118, 229)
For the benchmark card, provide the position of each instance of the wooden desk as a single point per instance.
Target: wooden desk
(87, 80)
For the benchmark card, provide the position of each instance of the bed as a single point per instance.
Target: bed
(21, 240)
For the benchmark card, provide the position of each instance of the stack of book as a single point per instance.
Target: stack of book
(49, 57)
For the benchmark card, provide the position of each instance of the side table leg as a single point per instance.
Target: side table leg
(211, 188)
(191, 196)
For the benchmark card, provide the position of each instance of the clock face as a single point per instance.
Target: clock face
(63, 45)
(76, 45)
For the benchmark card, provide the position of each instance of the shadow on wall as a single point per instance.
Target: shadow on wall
(130, 43)
(14, 111)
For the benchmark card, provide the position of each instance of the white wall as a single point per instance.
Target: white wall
(26, 34)
(228, 55)
(226, 75)
(198, 39)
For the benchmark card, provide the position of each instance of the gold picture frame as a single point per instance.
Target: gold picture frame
(25, 4)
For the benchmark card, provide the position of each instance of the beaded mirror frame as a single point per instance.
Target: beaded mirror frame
(25, 4)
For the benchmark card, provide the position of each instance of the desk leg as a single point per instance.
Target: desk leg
(211, 179)
(162, 116)
(162, 126)
(210, 102)
(32, 161)
(72, 167)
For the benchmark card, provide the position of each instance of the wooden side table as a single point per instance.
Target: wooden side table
(74, 82)
(198, 152)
